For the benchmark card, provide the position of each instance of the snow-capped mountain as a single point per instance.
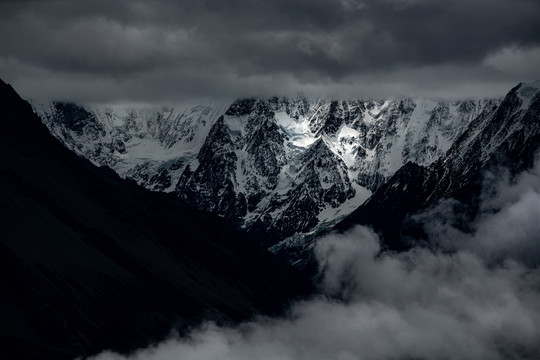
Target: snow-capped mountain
(150, 146)
(508, 138)
(275, 167)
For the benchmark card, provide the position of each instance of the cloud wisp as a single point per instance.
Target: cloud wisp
(453, 302)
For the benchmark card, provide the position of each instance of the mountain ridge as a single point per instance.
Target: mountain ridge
(508, 138)
(253, 152)
(92, 262)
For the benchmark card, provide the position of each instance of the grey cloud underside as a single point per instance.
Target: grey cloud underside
(244, 47)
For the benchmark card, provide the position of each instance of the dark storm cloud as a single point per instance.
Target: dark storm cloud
(243, 46)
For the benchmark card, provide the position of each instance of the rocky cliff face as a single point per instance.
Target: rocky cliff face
(275, 167)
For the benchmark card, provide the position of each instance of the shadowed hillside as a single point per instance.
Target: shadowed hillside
(89, 261)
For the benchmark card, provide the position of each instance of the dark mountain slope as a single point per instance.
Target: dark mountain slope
(89, 261)
(509, 138)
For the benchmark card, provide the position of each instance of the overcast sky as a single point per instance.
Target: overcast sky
(170, 51)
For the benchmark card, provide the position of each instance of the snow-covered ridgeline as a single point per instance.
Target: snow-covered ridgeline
(149, 145)
(277, 166)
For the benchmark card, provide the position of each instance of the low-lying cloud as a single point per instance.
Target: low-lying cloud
(455, 302)
(508, 226)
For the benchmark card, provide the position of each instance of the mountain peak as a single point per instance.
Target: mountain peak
(505, 136)
(249, 154)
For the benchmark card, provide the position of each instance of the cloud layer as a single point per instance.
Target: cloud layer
(171, 50)
(450, 303)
